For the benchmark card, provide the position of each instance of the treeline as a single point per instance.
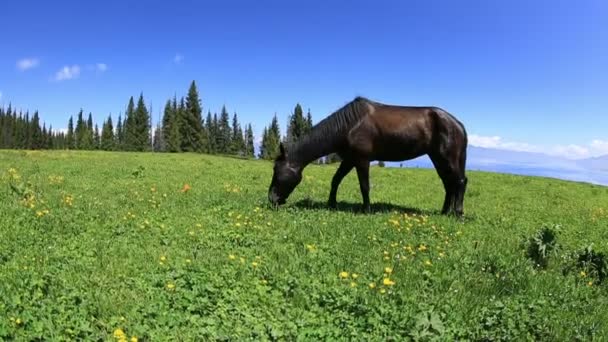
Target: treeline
(297, 126)
(182, 128)
(19, 130)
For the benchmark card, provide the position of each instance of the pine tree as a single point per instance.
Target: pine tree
(138, 127)
(171, 127)
(238, 141)
(96, 138)
(89, 141)
(129, 131)
(263, 154)
(158, 144)
(216, 133)
(119, 138)
(296, 125)
(308, 126)
(107, 135)
(211, 148)
(224, 141)
(70, 137)
(36, 141)
(271, 140)
(80, 132)
(250, 147)
(192, 132)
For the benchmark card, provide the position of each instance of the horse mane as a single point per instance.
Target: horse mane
(329, 132)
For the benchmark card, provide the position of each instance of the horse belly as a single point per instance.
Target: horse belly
(391, 150)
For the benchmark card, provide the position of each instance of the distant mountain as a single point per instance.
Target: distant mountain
(592, 170)
(598, 163)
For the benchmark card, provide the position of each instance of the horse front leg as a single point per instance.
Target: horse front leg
(363, 175)
(342, 171)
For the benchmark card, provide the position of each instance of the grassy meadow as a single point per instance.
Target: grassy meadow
(178, 247)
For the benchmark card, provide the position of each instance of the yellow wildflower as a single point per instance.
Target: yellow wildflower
(311, 248)
(133, 339)
(388, 282)
(383, 291)
(422, 248)
(353, 284)
(163, 258)
(590, 283)
(188, 261)
(231, 256)
(355, 275)
(170, 286)
(428, 262)
(372, 285)
(583, 274)
(254, 264)
(388, 270)
(119, 333)
(343, 275)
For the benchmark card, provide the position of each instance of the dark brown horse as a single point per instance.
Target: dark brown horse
(364, 131)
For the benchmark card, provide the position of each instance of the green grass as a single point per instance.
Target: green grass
(113, 242)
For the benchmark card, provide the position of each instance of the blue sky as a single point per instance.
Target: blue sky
(522, 75)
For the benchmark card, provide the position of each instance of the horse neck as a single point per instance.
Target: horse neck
(309, 149)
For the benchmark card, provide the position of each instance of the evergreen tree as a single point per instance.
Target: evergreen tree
(308, 126)
(171, 127)
(119, 138)
(129, 131)
(49, 139)
(192, 131)
(297, 125)
(70, 137)
(216, 132)
(263, 154)
(138, 127)
(238, 140)
(224, 140)
(96, 138)
(89, 141)
(37, 140)
(250, 147)
(107, 135)
(158, 144)
(271, 140)
(80, 132)
(211, 136)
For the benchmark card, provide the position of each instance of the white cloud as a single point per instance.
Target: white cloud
(101, 67)
(27, 63)
(600, 146)
(593, 149)
(67, 73)
(178, 58)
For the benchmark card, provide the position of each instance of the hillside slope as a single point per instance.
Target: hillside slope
(97, 245)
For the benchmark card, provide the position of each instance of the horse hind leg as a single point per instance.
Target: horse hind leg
(442, 167)
(461, 183)
(453, 181)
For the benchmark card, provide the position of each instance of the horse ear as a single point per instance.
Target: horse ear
(282, 150)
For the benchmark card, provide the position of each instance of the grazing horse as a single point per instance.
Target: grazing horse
(364, 131)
